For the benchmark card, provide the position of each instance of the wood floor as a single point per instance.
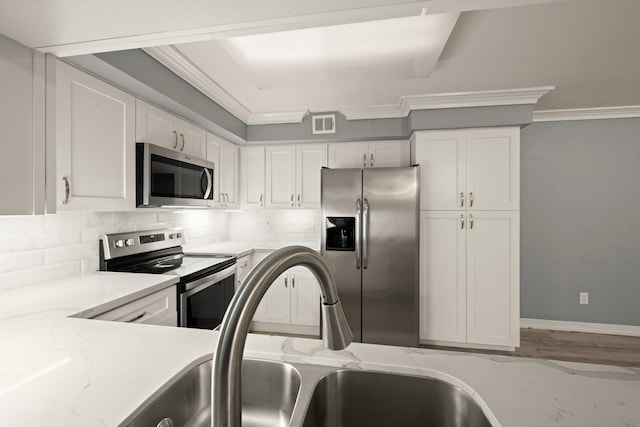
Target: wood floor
(572, 346)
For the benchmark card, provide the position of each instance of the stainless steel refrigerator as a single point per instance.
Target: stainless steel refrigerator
(370, 241)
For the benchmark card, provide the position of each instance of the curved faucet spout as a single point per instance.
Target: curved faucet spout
(226, 375)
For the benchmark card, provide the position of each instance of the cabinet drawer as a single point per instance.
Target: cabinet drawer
(155, 309)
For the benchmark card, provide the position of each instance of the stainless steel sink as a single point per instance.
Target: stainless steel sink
(294, 395)
(352, 398)
(269, 392)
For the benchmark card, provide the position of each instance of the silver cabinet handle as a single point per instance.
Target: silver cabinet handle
(226, 199)
(293, 280)
(138, 317)
(67, 190)
(292, 205)
(298, 200)
(462, 222)
(364, 160)
(365, 234)
(285, 281)
(371, 155)
(175, 139)
(462, 200)
(471, 222)
(182, 136)
(261, 200)
(358, 215)
(471, 199)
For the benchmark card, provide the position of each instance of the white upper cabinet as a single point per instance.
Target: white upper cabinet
(159, 127)
(369, 154)
(293, 175)
(22, 98)
(252, 176)
(95, 143)
(476, 169)
(224, 155)
(310, 159)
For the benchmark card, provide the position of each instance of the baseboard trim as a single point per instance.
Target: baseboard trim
(593, 328)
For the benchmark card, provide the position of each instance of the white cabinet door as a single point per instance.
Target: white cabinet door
(310, 159)
(477, 169)
(493, 169)
(192, 139)
(305, 297)
(281, 176)
(22, 116)
(275, 305)
(443, 301)
(156, 126)
(159, 127)
(348, 155)
(389, 154)
(252, 176)
(493, 297)
(95, 138)
(229, 174)
(159, 308)
(441, 156)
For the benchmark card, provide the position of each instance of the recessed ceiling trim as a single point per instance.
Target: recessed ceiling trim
(174, 60)
(448, 100)
(621, 112)
(276, 118)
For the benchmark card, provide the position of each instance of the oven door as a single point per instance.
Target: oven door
(203, 302)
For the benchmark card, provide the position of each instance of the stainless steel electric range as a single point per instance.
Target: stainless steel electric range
(206, 284)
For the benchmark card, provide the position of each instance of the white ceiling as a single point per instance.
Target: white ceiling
(589, 50)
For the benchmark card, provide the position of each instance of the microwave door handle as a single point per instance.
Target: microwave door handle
(207, 191)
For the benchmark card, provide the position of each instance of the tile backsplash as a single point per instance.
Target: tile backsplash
(46, 247)
(283, 225)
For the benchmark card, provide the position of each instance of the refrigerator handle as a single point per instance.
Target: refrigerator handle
(358, 215)
(365, 234)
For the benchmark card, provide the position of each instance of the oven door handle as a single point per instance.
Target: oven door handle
(203, 283)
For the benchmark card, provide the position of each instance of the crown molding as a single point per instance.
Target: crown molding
(276, 118)
(622, 112)
(174, 60)
(448, 100)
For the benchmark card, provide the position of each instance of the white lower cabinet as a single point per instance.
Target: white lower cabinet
(469, 278)
(291, 305)
(159, 308)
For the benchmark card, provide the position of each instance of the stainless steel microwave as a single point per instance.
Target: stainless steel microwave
(169, 178)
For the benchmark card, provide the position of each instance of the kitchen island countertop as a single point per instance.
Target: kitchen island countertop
(57, 370)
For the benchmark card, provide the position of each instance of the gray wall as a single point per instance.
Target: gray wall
(396, 128)
(580, 220)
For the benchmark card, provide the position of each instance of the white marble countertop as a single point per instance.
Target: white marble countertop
(241, 248)
(61, 371)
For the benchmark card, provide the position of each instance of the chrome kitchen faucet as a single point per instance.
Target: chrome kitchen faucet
(226, 394)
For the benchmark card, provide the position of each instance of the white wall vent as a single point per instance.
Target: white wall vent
(323, 124)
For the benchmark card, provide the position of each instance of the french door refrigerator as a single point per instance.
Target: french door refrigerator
(370, 242)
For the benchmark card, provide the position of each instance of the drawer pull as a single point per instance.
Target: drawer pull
(138, 317)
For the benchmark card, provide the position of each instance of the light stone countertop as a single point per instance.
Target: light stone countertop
(240, 248)
(62, 371)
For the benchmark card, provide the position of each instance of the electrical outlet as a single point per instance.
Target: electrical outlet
(584, 297)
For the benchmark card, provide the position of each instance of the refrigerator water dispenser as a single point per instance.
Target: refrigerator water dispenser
(341, 233)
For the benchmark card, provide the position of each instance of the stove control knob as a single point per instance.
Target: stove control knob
(119, 243)
(179, 235)
(129, 242)
(172, 236)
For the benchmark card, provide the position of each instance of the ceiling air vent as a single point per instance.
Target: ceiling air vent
(324, 124)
